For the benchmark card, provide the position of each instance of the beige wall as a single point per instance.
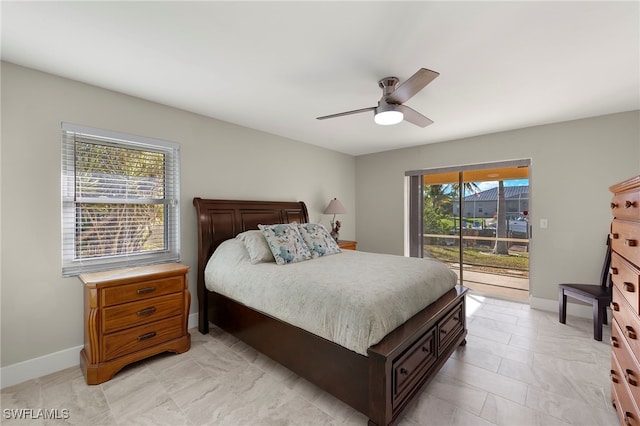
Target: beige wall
(572, 165)
(41, 312)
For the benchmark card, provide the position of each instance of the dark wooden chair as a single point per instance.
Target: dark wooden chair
(598, 295)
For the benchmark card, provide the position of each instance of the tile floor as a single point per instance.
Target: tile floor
(520, 367)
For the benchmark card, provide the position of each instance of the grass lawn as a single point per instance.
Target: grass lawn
(480, 256)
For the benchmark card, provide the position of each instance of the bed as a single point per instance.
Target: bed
(379, 384)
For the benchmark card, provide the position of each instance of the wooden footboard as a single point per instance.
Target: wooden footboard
(341, 372)
(411, 355)
(379, 385)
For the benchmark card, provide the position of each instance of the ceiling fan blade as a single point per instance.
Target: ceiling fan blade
(340, 114)
(413, 116)
(413, 85)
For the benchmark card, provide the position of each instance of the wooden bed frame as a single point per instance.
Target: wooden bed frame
(379, 385)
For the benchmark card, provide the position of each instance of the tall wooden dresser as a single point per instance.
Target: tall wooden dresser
(625, 305)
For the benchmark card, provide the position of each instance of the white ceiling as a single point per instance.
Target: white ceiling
(275, 66)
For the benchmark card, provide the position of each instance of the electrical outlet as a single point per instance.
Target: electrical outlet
(544, 224)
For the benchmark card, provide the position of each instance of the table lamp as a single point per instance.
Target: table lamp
(335, 207)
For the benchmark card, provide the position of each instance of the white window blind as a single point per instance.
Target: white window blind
(120, 200)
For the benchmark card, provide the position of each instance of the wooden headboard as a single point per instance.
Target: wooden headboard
(220, 220)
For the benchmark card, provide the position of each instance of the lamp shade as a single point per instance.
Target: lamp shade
(335, 207)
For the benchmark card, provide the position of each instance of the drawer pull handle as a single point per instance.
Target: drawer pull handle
(614, 205)
(443, 331)
(630, 332)
(629, 287)
(146, 336)
(146, 312)
(615, 235)
(404, 371)
(628, 374)
(628, 418)
(425, 349)
(614, 270)
(630, 242)
(628, 204)
(615, 306)
(614, 342)
(146, 290)
(612, 374)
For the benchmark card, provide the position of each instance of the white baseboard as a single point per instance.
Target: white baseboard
(50, 363)
(41, 366)
(574, 309)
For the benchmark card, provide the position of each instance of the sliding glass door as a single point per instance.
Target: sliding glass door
(476, 220)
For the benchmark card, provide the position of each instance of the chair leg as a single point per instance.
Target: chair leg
(562, 308)
(597, 321)
(605, 320)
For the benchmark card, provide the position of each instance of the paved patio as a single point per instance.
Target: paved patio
(496, 285)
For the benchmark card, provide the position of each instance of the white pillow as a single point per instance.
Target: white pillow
(318, 239)
(285, 243)
(257, 246)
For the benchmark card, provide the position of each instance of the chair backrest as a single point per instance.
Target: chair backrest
(605, 275)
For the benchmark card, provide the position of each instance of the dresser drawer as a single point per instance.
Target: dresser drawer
(451, 327)
(412, 365)
(626, 278)
(626, 205)
(127, 315)
(141, 290)
(628, 322)
(625, 407)
(629, 371)
(625, 240)
(134, 339)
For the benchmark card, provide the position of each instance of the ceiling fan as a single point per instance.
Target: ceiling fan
(390, 109)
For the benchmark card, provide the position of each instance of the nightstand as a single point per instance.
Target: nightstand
(131, 314)
(347, 245)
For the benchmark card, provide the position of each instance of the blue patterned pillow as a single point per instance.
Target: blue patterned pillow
(285, 243)
(318, 239)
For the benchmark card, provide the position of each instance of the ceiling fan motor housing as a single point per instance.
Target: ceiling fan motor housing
(388, 85)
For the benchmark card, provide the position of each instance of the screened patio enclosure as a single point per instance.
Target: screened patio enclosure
(476, 220)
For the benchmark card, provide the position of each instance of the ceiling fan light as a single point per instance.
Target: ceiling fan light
(388, 116)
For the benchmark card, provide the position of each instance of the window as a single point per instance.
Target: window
(120, 200)
(474, 218)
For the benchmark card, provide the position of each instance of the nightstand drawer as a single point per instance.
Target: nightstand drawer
(141, 290)
(134, 339)
(347, 245)
(134, 314)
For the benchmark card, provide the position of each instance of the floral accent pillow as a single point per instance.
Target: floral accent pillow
(257, 246)
(318, 239)
(285, 243)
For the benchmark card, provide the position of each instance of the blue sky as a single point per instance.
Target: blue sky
(492, 184)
